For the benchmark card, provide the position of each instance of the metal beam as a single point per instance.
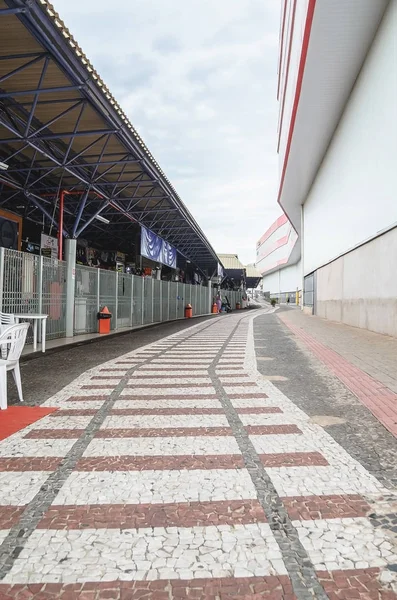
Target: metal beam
(64, 88)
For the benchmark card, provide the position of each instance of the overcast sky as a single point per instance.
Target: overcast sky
(198, 80)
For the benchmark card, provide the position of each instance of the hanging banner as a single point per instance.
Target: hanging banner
(157, 249)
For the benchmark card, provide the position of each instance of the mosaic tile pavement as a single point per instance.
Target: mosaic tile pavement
(178, 471)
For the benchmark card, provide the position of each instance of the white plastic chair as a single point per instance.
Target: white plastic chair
(6, 320)
(13, 340)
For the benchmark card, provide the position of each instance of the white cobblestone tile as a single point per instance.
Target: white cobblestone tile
(163, 446)
(18, 447)
(137, 380)
(159, 403)
(252, 402)
(308, 481)
(278, 444)
(267, 419)
(346, 544)
(164, 421)
(109, 554)
(3, 534)
(18, 488)
(64, 422)
(167, 391)
(156, 487)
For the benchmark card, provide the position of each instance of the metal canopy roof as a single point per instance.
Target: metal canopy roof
(63, 130)
(253, 276)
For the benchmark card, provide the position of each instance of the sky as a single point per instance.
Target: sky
(198, 80)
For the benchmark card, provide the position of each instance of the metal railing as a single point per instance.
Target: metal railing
(35, 284)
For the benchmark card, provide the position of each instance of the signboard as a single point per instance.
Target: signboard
(157, 249)
(49, 246)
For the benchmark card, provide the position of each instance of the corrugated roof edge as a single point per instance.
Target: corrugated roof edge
(48, 9)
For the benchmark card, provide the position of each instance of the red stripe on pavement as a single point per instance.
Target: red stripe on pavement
(163, 432)
(294, 459)
(271, 429)
(75, 412)
(131, 516)
(167, 385)
(378, 398)
(258, 410)
(30, 463)
(206, 396)
(48, 434)
(362, 584)
(228, 588)
(9, 516)
(166, 411)
(246, 396)
(160, 463)
(326, 507)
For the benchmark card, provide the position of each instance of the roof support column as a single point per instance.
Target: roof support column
(70, 255)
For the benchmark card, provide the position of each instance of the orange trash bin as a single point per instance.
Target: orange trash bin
(104, 317)
(188, 311)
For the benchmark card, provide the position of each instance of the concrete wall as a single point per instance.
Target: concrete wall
(284, 280)
(360, 288)
(354, 196)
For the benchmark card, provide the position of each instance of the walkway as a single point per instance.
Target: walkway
(177, 471)
(365, 361)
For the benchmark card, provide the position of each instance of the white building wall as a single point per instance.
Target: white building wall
(360, 288)
(284, 280)
(288, 84)
(354, 195)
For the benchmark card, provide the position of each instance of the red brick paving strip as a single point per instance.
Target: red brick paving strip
(362, 584)
(9, 516)
(306, 508)
(239, 588)
(29, 464)
(189, 411)
(271, 429)
(129, 516)
(75, 412)
(159, 463)
(163, 432)
(49, 434)
(159, 386)
(181, 396)
(378, 398)
(243, 396)
(165, 376)
(166, 411)
(294, 459)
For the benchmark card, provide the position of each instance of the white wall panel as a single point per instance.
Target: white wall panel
(355, 193)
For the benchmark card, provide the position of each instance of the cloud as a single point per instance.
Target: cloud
(198, 80)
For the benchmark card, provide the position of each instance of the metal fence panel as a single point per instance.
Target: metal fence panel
(53, 300)
(180, 300)
(137, 303)
(107, 293)
(148, 302)
(156, 301)
(164, 300)
(124, 291)
(86, 302)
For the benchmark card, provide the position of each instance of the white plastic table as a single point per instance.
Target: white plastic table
(35, 318)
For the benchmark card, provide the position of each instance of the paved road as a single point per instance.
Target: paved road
(180, 471)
